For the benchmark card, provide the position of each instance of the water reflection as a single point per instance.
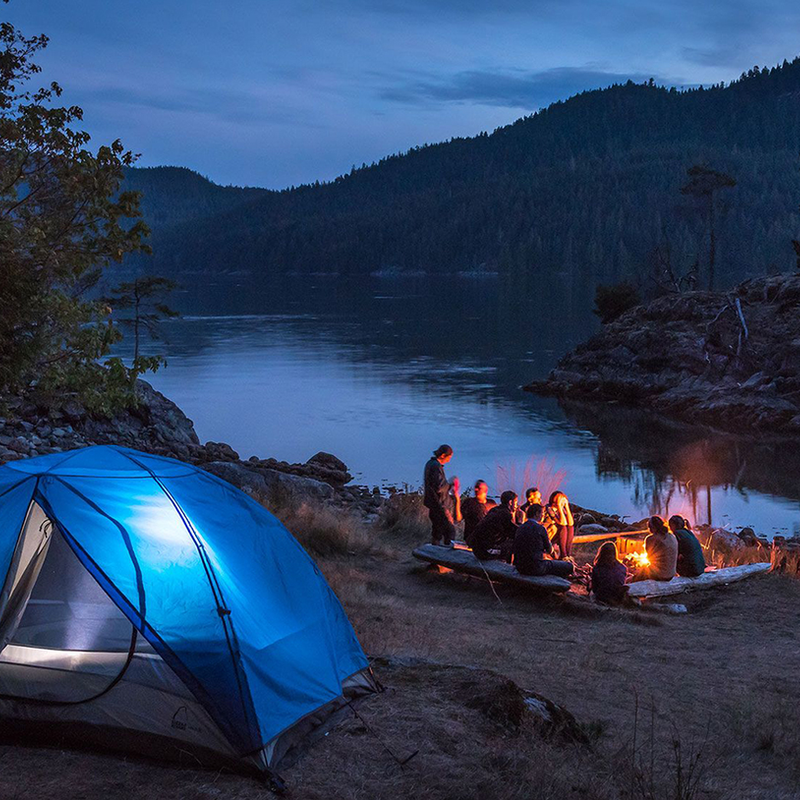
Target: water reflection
(673, 466)
(380, 372)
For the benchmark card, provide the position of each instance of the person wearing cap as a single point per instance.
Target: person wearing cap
(436, 496)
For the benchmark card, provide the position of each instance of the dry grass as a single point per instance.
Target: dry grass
(540, 472)
(474, 738)
(717, 669)
(786, 562)
(724, 557)
(325, 531)
(403, 521)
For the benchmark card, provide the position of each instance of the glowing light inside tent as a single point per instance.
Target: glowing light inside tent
(162, 538)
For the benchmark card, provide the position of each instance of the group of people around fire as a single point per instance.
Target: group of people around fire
(537, 537)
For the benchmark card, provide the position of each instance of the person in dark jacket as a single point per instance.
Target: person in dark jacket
(609, 575)
(531, 542)
(436, 497)
(691, 561)
(496, 530)
(475, 508)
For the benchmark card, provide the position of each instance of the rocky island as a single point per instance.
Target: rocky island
(730, 359)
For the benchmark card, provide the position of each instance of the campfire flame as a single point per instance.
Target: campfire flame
(639, 558)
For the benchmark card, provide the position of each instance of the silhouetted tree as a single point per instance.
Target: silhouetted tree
(142, 297)
(61, 220)
(704, 184)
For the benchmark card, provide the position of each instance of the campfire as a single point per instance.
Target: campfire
(636, 559)
(632, 552)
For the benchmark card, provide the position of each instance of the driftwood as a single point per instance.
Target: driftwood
(585, 538)
(719, 577)
(464, 561)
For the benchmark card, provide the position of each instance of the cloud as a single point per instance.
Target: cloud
(510, 88)
(228, 104)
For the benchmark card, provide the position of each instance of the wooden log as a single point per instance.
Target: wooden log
(585, 538)
(718, 577)
(464, 561)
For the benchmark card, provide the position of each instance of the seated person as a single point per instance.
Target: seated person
(475, 508)
(608, 576)
(662, 552)
(496, 530)
(691, 561)
(531, 542)
(532, 497)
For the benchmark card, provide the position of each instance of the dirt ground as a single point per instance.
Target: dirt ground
(650, 692)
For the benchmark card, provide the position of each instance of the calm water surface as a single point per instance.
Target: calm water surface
(381, 371)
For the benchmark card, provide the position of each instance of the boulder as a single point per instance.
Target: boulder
(220, 451)
(328, 461)
(271, 487)
(726, 540)
(241, 477)
(329, 468)
(592, 528)
(295, 490)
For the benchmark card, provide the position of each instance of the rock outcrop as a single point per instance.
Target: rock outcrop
(729, 360)
(156, 425)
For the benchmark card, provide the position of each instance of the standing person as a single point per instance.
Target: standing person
(691, 561)
(531, 542)
(435, 498)
(532, 497)
(475, 508)
(662, 552)
(496, 530)
(609, 575)
(558, 507)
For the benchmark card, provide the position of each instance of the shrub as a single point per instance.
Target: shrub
(404, 519)
(611, 302)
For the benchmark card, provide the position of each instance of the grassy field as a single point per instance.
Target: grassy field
(701, 705)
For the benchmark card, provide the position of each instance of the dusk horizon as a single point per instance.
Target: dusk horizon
(275, 95)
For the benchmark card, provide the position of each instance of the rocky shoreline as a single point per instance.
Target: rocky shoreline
(729, 360)
(29, 428)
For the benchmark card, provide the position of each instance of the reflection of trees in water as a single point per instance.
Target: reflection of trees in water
(673, 467)
(447, 321)
(666, 495)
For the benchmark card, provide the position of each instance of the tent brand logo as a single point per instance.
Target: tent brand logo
(180, 719)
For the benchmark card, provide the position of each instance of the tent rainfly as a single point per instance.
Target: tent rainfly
(150, 606)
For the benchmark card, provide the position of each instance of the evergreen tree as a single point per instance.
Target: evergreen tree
(142, 297)
(704, 185)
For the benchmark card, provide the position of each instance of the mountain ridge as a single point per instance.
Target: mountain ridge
(588, 185)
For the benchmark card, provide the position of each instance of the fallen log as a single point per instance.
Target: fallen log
(717, 577)
(464, 561)
(585, 538)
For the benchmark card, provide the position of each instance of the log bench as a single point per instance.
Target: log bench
(460, 560)
(678, 585)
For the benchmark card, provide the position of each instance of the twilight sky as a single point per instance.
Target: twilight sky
(279, 92)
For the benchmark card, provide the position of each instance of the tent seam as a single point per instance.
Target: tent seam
(219, 598)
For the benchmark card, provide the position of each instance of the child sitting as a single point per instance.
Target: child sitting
(608, 576)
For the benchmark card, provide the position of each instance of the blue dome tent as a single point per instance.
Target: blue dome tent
(150, 604)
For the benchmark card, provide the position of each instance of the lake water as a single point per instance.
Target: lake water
(381, 371)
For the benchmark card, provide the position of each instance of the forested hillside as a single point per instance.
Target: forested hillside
(170, 195)
(587, 187)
